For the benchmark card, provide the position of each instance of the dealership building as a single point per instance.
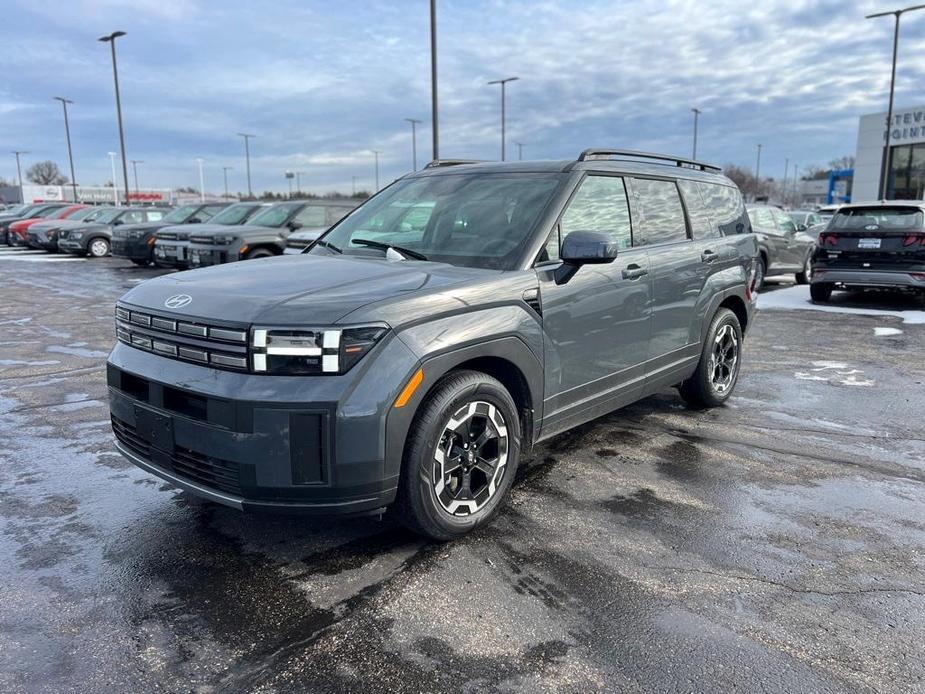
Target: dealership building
(906, 172)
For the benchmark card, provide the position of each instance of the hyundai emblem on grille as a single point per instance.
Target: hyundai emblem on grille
(178, 301)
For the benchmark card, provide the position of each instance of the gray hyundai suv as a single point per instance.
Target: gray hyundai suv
(411, 365)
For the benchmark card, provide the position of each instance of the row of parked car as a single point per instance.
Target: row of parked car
(193, 235)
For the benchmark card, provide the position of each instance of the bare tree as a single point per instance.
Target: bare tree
(45, 173)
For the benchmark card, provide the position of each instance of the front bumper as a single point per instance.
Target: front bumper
(133, 249)
(306, 444)
(171, 254)
(201, 255)
(868, 278)
(71, 246)
(16, 238)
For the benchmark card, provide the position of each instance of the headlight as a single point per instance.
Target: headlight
(76, 235)
(224, 239)
(311, 351)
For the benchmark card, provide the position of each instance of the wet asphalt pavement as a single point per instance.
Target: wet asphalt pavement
(775, 544)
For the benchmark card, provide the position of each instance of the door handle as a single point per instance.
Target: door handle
(633, 272)
(708, 256)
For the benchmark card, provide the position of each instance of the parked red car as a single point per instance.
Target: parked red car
(17, 235)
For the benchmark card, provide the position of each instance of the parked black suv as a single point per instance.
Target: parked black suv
(873, 245)
(264, 235)
(299, 240)
(136, 241)
(409, 365)
(783, 246)
(171, 245)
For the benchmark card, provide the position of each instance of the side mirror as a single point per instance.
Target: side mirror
(802, 227)
(584, 248)
(195, 220)
(294, 226)
(117, 222)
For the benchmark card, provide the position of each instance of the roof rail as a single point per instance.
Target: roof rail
(599, 153)
(438, 163)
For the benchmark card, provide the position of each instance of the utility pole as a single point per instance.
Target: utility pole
(503, 83)
(884, 161)
(135, 163)
(414, 143)
(697, 113)
(520, 150)
(786, 173)
(22, 194)
(225, 170)
(376, 153)
(433, 80)
(354, 186)
(298, 183)
(70, 154)
(111, 40)
(758, 164)
(202, 189)
(247, 158)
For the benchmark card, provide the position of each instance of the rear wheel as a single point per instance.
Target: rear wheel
(98, 247)
(461, 456)
(820, 291)
(258, 253)
(718, 370)
(806, 273)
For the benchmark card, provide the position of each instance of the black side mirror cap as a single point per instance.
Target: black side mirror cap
(584, 248)
(295, 226)
(195, 220)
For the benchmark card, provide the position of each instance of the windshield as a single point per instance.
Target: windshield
(236, 214)
(472, 220)
(274, 216)
(877, 219)
(80, 213)
(109, 215)
(16, 209)
(96, 213)
(50, 212)
(180, 215)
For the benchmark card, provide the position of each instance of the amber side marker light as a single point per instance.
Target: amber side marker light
(409, 389)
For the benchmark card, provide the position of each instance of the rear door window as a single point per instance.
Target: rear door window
(726, 208)
(155, 215)
(701, 222)
(660, 215)
(132, 217)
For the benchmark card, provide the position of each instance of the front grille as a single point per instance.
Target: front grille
(214, 473)
(222, 347)
(166, 236)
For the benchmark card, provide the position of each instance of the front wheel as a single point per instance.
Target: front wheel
(761, 270)
(718, 370)
(259, 253)
(820, 292)
(462, 453)
(98, 248)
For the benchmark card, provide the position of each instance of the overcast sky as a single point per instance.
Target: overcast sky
(322, 84)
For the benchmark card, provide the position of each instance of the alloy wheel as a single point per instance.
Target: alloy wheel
(724, 359)
(99, 248)
(470, 458)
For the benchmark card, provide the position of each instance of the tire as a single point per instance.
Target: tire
(98, 247)
(712, 383)
(141, 263)
(806, 275)
(435, 509)
(761, 271)
(259, 253)
(820, 292)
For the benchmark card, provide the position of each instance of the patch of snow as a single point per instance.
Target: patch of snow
(883, 332)
(77, 351)
(797, 298)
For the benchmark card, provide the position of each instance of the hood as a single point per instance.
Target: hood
(59, 224)
(294, 289)
(143, 226)
(185, 230)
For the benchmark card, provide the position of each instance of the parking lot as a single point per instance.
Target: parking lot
(772, 544)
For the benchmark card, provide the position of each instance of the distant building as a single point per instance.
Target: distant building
(906, 179)
(88, 194)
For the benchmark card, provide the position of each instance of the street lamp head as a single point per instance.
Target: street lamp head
(506, 79)
(111, 37)
(246, 135)
(62, 100)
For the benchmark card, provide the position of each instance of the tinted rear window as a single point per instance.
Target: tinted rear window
(877, 218)
(726, 207)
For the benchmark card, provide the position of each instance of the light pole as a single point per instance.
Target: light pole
(376, 154)
(298, 183)
(115, 188)
(786, 174)
(22, 195)
(520, 150)
(225, 170)
(67, 133)
(289, 176)
(889, 113)
(354, 186)
(758, 164)
(111, 40)
(135, 163)
(202, 189)
(414, 143)
(247, 158)
(433, 79)
(697, 113)
(503, 83)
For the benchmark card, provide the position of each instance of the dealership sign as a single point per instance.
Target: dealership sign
(94, 194)
(907, 127)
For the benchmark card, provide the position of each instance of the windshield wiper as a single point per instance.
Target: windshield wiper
(387, 246)
(325, 244)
